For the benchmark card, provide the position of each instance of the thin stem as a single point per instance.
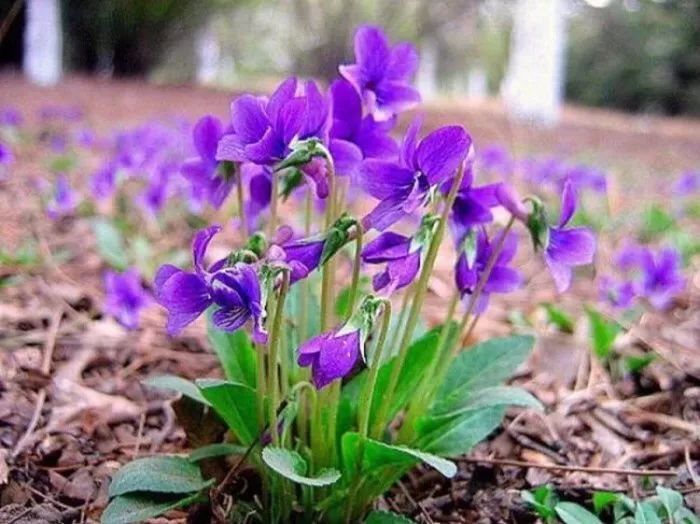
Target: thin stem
(421, 288)
(398, 327)
(327, 277)
(274, 350)
(420, 399)
(261, 386)
(357, 263)
(241, 203)
(272, 225)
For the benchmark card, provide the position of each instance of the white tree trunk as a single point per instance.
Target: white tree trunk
(533, 85)
(43, 42)
(208, 55)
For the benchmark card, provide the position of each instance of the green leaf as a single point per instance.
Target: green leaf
(559, 318)
(646, 514)
(235, 352)
(110, 244)
(386, 517)
(377, 455)
(685, 516)
(138, 507)
(177, 384)
(235, 403)
(292, 466)
(671, 499)
(604, 499)
(656, 221)
(221, 449)
(161, 474)
(603, 333)
(485, 365)
(458, 435)
(572, 513)
(486, 398)
(542, 499)
(636, 364)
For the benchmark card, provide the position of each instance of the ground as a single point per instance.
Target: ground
(73, 408)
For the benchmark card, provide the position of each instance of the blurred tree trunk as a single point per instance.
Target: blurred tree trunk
(43, 42)
(534, 79)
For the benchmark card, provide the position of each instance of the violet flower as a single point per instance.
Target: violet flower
(617, 293)
(125, 297)
(402, 257)
(472, 205)
(687, 184)
(262, 129)
(475, 251)
(354, 137)
(382, 73)
(566, 248)
(331, 355)
(234, 291)
(203, 171)
(405, 186)
(10, 117)
(63, 199)
(6, 156)
(103, 181)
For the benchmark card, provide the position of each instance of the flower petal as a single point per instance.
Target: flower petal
(383, 179)
(200, 244)
(248, 118)
(410, 140)
(206, 136)
(573, 247)
(442, 151)
(385, 214)
(371, 52)
(336, 359)
(503, 279)
(568, 203)
(231, 147)
(403, 62)
(230, 319)
(387, 246)
(283, 94)
(185, 297)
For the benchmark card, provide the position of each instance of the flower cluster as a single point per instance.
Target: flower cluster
(647, 274)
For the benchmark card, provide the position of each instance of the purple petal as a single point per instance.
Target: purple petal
(248, 118)
(347, 157)
(336, 359)
(291, 119)
(466, 278)
(561, 273)
(200, 244)
(230, 319)
(402, 271)
(317, 113)
(283, 94)
(383, 179)
(164, 273)
(371, 52)
(385, 214)
(394, 97)
(441, 152)
(511, 201)
(573, 247)
(387, 246)
(503, 280)
(206, 136)
(231, 147)
(347, 109)
(408, 146)
(403, 62)
(308, 352)
(185, 297)
(568, 203)
(268, 149)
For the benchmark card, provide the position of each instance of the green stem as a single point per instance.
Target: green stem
(327, 277)
(261, 387)
(357, 263)
(272, 225)
(274, 350)
(241, 203)
(421, 288)
(417, 406)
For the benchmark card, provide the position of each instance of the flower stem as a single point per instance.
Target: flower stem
(261, 387)
(357, 263)
(272, 224)
(274, 351)
(241, 203)
(327, 277)
(421, 288)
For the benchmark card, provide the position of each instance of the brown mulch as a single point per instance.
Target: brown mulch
(73, 408)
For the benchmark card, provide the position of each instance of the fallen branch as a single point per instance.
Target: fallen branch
(584, 469)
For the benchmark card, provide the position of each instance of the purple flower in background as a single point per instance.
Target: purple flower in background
(382, 73)
(262, 129)
(495, 159)
(103, 181)
(509, 198)
(585, 177)
(154, 196)
(403, 187)
(63, 199)
(203, 171)
(331, 355)
(687, 184)
(6, 156)
(354, 136)
(402, 257)
(474, 255)
(125, 297)
(567, 248)
(617, 293)
(654, 276)
(10, 117)
(234, 290)
(303, 256)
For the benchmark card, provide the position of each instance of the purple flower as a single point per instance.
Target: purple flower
(618, 294)
(6, 156)
(262, 129)
(303, 256)
(354, 137)
(63, 199)
(582, 177)
(567, 248)
(125, 297)
(103, 181)
(153, 197)
(331, 355)
(402, 257)
(259, 191)
(472, 205)
(687, 184)
(382, 73)
(495, 159)
(10, 117)
(233, 290)
(655, 276)
(474, 255)
(403, 187)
